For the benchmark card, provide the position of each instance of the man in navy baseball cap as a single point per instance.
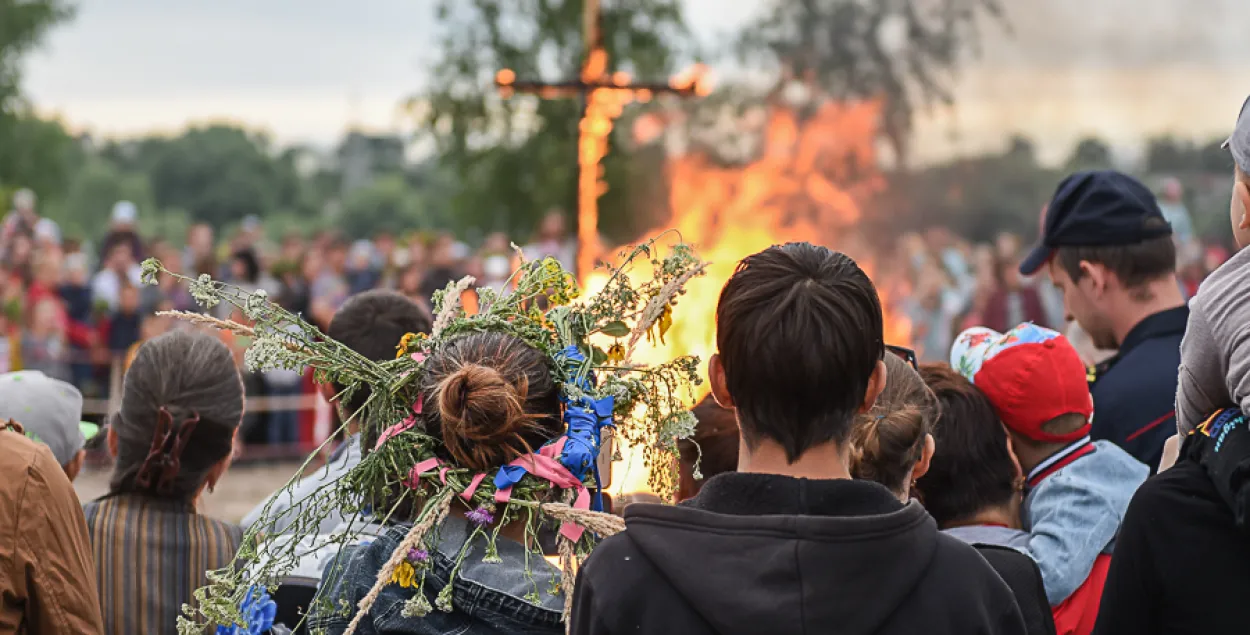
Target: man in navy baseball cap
(1109, 250)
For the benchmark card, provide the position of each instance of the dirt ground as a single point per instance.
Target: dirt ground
(242, 487)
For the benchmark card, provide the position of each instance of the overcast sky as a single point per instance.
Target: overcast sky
(307, 69)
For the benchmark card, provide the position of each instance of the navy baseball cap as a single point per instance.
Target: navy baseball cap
(1238, 143)
(1095, 209)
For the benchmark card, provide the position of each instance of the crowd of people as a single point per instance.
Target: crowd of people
(835, 482)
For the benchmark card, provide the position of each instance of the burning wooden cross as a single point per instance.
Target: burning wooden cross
(605, 95)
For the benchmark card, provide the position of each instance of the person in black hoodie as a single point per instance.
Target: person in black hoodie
(1182, 559)
(789, 543)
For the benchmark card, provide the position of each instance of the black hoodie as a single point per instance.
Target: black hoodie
(754, 554)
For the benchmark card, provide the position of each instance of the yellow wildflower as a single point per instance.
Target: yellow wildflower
(662, 325)
(405, 575)
(404, 343)
(616, 353)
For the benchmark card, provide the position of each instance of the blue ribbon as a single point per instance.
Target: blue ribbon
(571, 359)
(582, 439)
(509, 475)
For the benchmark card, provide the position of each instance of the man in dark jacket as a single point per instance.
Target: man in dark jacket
(789, 544)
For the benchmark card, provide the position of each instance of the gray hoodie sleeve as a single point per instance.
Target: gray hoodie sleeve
(1200, 384)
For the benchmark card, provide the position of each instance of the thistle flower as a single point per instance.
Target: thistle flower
(418, 556)
(204, 290)
(480, 516)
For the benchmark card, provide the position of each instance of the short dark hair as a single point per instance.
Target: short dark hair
(372, 324)
(799, 332)
(1135, 264)
(971, 468)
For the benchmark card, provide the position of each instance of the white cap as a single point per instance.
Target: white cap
(24, 199)
(47, 229)
(125, 213)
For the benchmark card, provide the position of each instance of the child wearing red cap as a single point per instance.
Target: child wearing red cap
(1077, 489)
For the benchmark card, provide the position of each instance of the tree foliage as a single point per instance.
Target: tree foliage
(31, 151)
(902, 51)
(513, 159)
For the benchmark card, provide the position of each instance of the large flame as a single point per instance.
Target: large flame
(789, 193)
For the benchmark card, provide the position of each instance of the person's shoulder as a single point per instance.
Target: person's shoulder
(22, 458)
(956, 559)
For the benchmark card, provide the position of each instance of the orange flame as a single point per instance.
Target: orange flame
(790, 193)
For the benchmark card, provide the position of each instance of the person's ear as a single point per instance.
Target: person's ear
(1015, 460)
(112, 441)
(720, 384)
(75, 465)
(876, 384)
(926, 458)
(1093, 277)
(1241, 191)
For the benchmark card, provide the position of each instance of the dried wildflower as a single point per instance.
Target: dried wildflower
(418, 556)
(417, 606)
(149, 271)
(406, 342)
(405, 575)
(255, 304)
(271, 353)
(204, 291)
(443, 601)
(616, 353)
(480, 516)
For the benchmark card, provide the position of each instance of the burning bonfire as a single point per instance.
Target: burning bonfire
(791, 192)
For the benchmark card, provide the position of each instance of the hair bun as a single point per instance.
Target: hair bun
(482, 415)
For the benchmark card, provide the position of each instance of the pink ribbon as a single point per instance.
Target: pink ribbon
(545, 466)
(414, 475)
(467, 494)
(402, 426)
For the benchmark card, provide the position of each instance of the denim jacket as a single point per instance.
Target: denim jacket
(494, 599)
(1074, 514)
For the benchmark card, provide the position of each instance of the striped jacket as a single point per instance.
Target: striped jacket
(150, 555)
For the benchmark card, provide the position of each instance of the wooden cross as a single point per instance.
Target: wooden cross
(604, 97)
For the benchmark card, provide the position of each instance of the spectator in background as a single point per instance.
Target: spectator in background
(1172, 205)
(45, 347)
(1108, 248)
(552, 240)
(119, 268)
(974, 489)
(412, 286)
(713, 449)
(199, 249)
(20, 221)
(172, 440)
(329, 289)
(496, 262)
(364, 270)
(1011, 302)
(122, 328)
(46, 579)
(442, 266)
(122, 230)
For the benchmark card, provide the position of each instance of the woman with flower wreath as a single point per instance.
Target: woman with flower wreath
(489, 398)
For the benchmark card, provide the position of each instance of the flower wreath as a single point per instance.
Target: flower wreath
(646, 406)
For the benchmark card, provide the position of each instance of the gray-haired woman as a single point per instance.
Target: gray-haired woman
(173, 438)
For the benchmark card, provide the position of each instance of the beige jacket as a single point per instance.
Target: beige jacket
(47, 578)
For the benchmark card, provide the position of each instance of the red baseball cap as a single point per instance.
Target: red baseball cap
(1030, 374)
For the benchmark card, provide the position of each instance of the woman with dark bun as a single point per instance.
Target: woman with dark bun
(490, 398)
(173, 438)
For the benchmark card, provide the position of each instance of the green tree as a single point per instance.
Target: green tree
(512, 160)
(218, 174)
(1090, 153)
(95, 187)
(904, 51)
(388, 204)
(23, 24)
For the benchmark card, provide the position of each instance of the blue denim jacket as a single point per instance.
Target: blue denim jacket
(1073, 515)
(486, 598)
